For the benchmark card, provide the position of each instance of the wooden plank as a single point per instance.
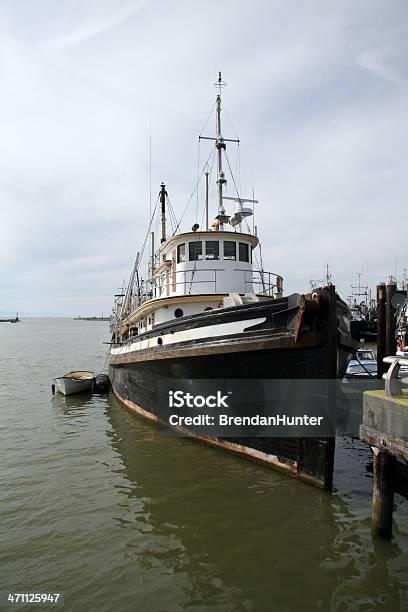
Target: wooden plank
(389, 444)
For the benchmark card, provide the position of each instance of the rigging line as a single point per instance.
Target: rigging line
(249, 230)
(194, 269)
(150, 166)
(173, 217)
(198, 172)
(258, 263)
(105, 362)
(239, 169)
(236, 161)
(209, 179)
(230, 122)
(170, 218)
(232, 174)
(193, 192)
(192, 277)
(363, 366)
(148, 232)
(208, 118)
(174, 220)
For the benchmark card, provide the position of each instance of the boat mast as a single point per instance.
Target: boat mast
(220, 146)
(163, 194)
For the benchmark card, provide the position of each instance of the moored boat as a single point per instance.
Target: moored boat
(207, 310)
(74, 382)
(363, 313)
(363, 366)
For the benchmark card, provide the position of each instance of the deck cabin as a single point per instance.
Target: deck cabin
(199, 271)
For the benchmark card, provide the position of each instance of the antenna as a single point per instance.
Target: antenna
(206, 199)
(219, 84)
(150, 166)
(253, 198)
(328, 275)
(220, 146)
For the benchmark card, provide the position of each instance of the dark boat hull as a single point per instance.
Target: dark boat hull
(300, 339)
(364, 330)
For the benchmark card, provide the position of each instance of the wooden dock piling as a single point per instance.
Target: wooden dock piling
(381, 328)
(390, 339)
(383, 493)
(386, 339)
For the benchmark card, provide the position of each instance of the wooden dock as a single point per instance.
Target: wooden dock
(385, 429)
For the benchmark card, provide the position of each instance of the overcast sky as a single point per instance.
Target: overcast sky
(317, 92)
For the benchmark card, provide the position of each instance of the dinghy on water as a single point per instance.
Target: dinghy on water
(74, 382)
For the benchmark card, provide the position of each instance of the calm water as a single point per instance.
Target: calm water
(96, 503)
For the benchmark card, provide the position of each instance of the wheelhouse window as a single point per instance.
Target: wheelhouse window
(195, 250)
(243, 251)
(212, 249)
(230, 250)
(181, 253)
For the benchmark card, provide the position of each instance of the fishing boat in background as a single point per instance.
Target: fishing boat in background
(402, 325)
(203, 307)
(363, 366)
(363, 312)
(74, 382)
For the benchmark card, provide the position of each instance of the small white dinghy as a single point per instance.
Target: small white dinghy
(74, 382)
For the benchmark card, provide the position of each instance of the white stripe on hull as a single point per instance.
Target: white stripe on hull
(209, 331)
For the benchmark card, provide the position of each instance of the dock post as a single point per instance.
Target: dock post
(390, 340)
(381, 335)
(383, 493)
(332, 374)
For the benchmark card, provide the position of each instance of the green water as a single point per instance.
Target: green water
(99, 505)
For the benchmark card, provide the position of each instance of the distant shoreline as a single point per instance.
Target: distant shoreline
(92, 318)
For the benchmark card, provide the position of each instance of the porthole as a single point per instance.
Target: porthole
(178, 313)
(159, 341)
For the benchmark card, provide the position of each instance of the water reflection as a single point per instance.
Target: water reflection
(240, 536)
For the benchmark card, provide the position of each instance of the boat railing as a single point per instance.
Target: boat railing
(263, 282)
(170, 285)
(185, 280)
(211, 280)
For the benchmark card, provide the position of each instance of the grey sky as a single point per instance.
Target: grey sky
(318, 92)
